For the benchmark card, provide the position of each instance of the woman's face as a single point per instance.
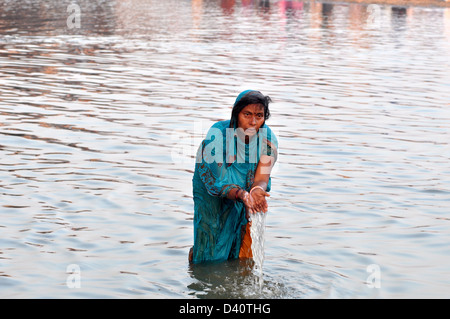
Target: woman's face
(251, 118)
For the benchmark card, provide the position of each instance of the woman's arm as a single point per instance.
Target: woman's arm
(259, 187)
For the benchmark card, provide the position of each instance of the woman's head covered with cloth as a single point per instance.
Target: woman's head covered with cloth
(249, 97)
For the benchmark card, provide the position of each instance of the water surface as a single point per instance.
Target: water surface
(99, 125)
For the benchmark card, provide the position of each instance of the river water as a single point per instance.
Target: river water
(102, 107)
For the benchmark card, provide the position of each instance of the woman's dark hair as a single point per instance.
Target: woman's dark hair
(250, 97)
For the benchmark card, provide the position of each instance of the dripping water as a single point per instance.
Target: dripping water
(257, 234)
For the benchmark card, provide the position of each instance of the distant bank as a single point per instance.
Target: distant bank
(407, 3)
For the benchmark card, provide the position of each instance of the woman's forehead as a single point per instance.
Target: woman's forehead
(253, 108)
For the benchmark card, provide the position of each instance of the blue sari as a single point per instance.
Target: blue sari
(224, 162)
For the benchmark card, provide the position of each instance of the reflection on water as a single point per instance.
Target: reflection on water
(91, 117)
(237, 279)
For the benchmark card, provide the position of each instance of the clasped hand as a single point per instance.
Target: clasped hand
(255, 201)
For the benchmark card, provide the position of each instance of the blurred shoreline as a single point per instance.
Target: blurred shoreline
(403, 3)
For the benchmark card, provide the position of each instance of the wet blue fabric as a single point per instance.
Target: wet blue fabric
(224, 162)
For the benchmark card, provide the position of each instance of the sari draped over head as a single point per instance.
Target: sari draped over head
(224, 162)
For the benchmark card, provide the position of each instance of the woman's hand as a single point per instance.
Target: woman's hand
(258, 196)
(248, 203)
(255, 201)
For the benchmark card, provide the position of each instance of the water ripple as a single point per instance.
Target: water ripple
(99, 127)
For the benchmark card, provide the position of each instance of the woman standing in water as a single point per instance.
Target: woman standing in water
(232, 180)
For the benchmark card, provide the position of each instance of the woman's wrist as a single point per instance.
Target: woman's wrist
(256, 187)
(240, 194)
(243, 195)
(237, 194)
